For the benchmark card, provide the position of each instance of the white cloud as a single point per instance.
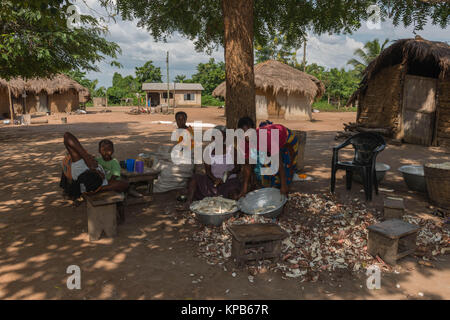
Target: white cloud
(330, 51)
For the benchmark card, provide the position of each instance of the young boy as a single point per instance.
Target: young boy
(109, 164)
(112, 167)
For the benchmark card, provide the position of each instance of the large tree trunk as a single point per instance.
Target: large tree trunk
(238, 44)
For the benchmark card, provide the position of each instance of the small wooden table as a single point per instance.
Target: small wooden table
(392, 240)
(148, 176)
(264, 239)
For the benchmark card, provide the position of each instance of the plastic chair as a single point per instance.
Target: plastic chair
(367, 146)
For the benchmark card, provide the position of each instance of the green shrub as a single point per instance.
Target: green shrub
(324, 106)
(209, 100)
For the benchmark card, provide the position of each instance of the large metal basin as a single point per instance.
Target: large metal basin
(263, 198)
(381, 169)
(213, 219)
(414, 177)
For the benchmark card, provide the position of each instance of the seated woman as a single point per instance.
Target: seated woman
(286, 151)
(83, 174)
(211, 183)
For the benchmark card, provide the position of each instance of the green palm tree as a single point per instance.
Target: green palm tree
(367, 54)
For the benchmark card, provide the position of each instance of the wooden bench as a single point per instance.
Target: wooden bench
(256, 241)
(392, 240)
(102, 213)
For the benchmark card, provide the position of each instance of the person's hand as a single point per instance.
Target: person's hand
(240, 195)
(91, 162)
(217, 181)
(100, 173)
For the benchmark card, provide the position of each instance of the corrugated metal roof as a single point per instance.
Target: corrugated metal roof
(178, 86)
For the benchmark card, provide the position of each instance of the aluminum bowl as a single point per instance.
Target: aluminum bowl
(213, 219)
(262, 198)
(381, 169)
(414, 177)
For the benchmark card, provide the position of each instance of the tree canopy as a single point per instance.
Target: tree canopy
(210, 75)
(202, 21)
(276, 48)
(148, 73)
(36, 41)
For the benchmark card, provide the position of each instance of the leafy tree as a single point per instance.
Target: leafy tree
(339, 83)
(210, 75)
(277, 48)
(367, 54)
(35, 40)
(100, 92)
(235, 24)
(123, 87)
(80, 77)
(180, 78)
(148, 73)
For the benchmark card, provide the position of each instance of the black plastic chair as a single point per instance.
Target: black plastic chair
(367, 146)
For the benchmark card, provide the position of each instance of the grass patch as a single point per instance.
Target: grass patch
(324, 106)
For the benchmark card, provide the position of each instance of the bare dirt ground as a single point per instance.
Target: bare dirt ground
(41, 234)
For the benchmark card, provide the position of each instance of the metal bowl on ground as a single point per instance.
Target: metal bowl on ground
(381, 169)
(212, 218)
(414, 177)
(268, 201)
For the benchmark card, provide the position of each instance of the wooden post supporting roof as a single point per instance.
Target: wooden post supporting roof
(11, 109)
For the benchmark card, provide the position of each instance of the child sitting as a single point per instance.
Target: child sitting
(82, 172)
(112, 167)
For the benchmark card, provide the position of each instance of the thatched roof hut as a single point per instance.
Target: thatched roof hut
(56, 94)
(282, 91)
(407, 89)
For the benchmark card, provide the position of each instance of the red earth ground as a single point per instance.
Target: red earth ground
(41, 234)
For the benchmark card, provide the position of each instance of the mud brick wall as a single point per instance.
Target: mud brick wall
(443, 123)
(63, 102)
(381, 103)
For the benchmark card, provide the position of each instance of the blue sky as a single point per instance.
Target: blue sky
(328, 50)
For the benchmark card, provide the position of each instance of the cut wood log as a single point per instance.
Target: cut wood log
(38, 120)
(382, 131)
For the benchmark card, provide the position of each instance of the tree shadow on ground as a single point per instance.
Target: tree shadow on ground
(152, 257)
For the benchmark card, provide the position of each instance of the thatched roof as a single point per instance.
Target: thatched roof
(277, 76)
(417, 50)
(59, 83)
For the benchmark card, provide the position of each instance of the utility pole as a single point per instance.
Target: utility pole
(304, 54)
(168, 88)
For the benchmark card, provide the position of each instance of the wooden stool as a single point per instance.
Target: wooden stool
(264, 238)
(392, 240)
(101, 213)
(394, 208)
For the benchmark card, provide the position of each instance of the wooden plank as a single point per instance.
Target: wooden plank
(104, 198)
(148, 172)
(257, 232)
(420, 94)
(417, 127)
(394, 229)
